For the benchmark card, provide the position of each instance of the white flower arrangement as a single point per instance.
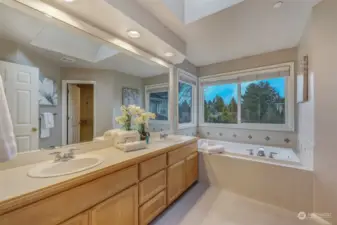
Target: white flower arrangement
(141, 117)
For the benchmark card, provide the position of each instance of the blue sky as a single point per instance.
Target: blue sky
(228, 91)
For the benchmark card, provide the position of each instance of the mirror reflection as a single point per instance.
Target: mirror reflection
(64, 86)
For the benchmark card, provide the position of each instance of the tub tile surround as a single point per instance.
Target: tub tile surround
(278, 139)
(286, 187)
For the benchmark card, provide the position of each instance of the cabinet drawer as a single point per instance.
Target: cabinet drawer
(152, 186)
(62, 206)
(181, 153)
(152, 208)
(152, 166)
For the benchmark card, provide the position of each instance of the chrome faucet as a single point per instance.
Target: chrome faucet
(163, 135)
(261, 152)
(251, 151)
(65, 157)
(272, 154)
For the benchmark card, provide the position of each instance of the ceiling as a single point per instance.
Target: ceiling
(53, 42)
(245, 29)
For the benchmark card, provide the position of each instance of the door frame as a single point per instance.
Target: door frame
(64, 106)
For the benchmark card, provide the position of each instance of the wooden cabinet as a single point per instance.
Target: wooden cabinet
(152, 186)
(152, 208)
(175, 180)
(119, 209)
(191, 169)
(82, 219)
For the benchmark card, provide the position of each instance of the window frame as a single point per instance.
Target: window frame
(183, 74)
(234, 77)
(148, 89)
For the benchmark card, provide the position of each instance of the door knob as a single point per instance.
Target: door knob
(34, 129)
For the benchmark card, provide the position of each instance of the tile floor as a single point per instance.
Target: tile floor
(203, 205)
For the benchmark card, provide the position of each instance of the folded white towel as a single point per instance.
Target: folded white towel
(47, 122)
(132, 146)
(8, 147)
(111, 134)
(216, 149)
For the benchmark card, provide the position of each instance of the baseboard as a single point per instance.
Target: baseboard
(319, 219)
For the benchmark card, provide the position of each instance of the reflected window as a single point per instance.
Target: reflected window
(185, 102)
(158, 104)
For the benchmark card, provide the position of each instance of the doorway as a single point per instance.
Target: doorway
(78, 111)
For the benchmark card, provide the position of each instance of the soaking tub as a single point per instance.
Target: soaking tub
(281, 180)
(273, 155)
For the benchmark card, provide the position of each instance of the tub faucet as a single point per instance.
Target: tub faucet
(261, 152)
(272, 154)
(251, 151)
(163, 135)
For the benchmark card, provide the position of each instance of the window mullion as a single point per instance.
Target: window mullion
(239, 102)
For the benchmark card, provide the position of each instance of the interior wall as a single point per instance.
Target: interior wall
(109, 86)
(241, 135)
(323, 45)
(306, 118)
(14, 53)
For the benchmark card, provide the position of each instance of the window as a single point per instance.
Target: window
(187, 100)
(156, 101)
(185, 103)
(159, 105)
(261, 98)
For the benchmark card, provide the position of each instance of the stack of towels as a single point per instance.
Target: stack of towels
(125, 140)
(213, 149)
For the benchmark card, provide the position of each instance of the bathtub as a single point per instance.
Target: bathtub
(281, 181)
(281, 156)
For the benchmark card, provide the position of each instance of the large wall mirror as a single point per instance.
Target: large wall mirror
(64, 86)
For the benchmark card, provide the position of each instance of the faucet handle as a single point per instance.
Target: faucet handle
(57, 156)
(71, 152)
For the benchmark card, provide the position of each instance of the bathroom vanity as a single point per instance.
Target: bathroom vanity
(127, 189)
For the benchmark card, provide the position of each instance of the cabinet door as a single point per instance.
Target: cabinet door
(82, 219)
(191, 169)
(119, 209)
(175, 180)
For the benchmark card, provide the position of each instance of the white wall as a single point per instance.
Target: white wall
(177, 7)
(323, 45)
(258, 137)
(109, 86)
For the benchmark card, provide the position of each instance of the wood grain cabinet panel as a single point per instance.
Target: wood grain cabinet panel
(60, 207)
(152, 186)
(181, 153)
(121, 209)
(175, 181)
(152, 166)
(152, 208)
(82, 219)
(191, 169)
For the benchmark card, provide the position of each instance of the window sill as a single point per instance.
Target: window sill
(186, 125)
(164, 122)
(250, 126)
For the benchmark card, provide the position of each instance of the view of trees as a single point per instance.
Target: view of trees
(260, 103)
(185, 103)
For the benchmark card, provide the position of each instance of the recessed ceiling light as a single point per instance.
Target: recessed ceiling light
(67, 59)
(68, 0)
(278, 5)
(169, 54)
(133, 34)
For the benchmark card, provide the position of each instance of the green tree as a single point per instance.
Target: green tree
(261, 103)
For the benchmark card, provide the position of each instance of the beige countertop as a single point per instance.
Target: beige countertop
(15, 182)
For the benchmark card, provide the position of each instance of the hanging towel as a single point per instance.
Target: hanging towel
(8, 147)
(47, 122)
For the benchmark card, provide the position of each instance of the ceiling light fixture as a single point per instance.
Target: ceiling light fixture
(169, 54)
(133, 34)
(69, 0)
(278, 5)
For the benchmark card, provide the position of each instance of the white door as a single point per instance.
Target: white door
(21, 88)
(74, 113)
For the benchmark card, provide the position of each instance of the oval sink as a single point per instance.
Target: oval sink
(55, 169)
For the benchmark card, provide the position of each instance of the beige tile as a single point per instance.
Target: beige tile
(204, 205)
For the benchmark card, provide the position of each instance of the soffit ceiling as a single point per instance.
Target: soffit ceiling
(54, 43)
(248, 28)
